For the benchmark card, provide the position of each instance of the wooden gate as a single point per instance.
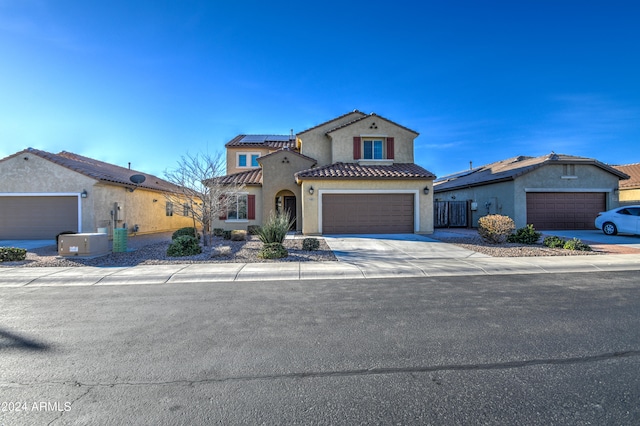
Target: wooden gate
(449, 214)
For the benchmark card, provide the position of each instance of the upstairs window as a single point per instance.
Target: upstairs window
(246, 160)
(373, 148)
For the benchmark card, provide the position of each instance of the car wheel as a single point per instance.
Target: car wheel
(609, 229)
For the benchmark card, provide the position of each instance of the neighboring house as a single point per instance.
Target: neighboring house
(43, 194)
(630, 189)
(353, 174)
(553, 191)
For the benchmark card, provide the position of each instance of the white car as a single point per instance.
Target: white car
(623, 219)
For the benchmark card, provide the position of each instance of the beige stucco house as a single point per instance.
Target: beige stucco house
(352, 174)
(43, 194)
(553, 191)
(630, 189)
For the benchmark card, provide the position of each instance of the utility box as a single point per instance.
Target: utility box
(83, 245)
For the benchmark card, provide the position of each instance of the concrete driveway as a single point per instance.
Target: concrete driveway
(383, 254)
(27, 244)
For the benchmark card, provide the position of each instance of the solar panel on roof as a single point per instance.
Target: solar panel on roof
(264, 138)
(253, 139)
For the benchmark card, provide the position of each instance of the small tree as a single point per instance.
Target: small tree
(199, 192)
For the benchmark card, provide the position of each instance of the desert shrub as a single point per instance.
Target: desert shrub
(576, 244)
(217, 232)
(253, 229)
(273, 251)
(238, 235)
(553, 242)
(12, 254)
(189, 230)
(525, 235)
(495, 228)
(310, 244)
(275, 228)
(185, 245)
(226, 235)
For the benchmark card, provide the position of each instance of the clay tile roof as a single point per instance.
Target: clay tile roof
(360, 171)
(633, 170)
(102, 171)
(262, 141)
(250, 177)
(509, 169)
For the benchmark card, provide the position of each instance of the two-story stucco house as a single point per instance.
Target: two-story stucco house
(351, 175)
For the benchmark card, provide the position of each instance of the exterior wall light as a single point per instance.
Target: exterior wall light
(426, 189)
(311, 190)
(84, 194)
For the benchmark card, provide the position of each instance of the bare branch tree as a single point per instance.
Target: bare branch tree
(201, 195)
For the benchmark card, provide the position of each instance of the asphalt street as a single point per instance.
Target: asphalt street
(503, 349)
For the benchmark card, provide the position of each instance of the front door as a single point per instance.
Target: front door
(290, 207)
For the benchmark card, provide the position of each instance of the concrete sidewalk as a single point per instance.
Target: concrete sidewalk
(224, 272)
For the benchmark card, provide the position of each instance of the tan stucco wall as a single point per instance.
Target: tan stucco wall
(232, 166)
(342, 139)
(629, 196)
(311, 205)
(315, 144)
(37, 175)
(136, 208)
(510, 198)
(229, 225)
(278, 175)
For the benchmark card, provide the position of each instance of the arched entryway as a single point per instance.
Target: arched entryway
(286, 202)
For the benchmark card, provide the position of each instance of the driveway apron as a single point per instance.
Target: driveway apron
(382, 255)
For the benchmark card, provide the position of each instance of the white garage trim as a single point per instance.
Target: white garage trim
(50, 194)
(415, 192)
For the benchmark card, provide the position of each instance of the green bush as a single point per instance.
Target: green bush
(226, 235)
(238, 235)
(553, 242)
(576, 244)
(495, 228)
(217, 232)
(12, 254)
(185, 245)
(253, 229)
(275, 228)
(189, 230)
(310, 244)
(273, 251)
(525, 235)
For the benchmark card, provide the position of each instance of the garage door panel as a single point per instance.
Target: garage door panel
(367, 213)
(564, 210)
(37, 217)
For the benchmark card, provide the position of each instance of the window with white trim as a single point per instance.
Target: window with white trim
(237, 208)
(247, 159)
(373, 149)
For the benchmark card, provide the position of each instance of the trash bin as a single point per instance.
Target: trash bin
(119, 240)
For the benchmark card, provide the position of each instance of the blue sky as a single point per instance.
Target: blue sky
(148, 81)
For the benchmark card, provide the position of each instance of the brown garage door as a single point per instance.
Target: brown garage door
(367, 213)
(564, 210)
(37, 218)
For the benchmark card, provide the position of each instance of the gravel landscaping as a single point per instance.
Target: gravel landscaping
(151, 250)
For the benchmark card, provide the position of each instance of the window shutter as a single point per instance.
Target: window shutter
(390, 154)
(251, 207)
(356, 147)
(223, 208)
